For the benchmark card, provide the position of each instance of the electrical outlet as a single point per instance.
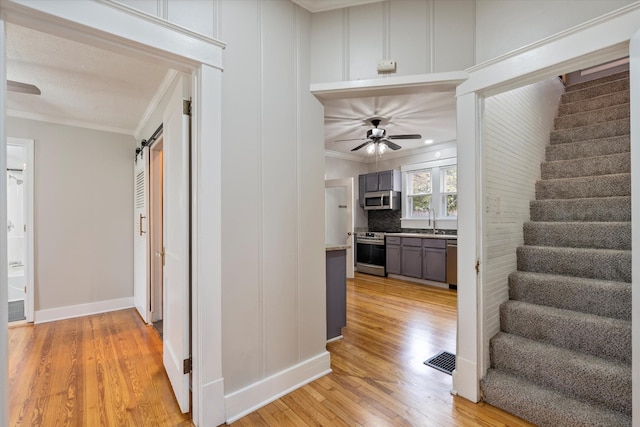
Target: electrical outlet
(387, 66)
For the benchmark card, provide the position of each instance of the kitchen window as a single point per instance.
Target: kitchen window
(430, 185)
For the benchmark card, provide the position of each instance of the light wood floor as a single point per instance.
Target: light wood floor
(106, 370)
(379, 378)
(101, 370)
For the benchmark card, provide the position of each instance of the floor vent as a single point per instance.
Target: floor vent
(443, 361)
(16, 311)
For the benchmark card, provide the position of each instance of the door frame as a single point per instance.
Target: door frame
(29, 175)
(156, 218)
(117, 27)
(348, 184)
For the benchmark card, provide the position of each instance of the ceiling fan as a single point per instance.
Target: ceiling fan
(377, 138)
(30, 89)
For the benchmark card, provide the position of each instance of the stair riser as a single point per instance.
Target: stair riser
(579, 235)
(589, 148)
(591, 264)
(584, 187)
(595, 116)
(598, 336)
(594, 91)
(592, 131)
(542, 407)
(613, 209)
(591, 166)
(597, 103)
(600, 298)
(622, 75)
(587, 378)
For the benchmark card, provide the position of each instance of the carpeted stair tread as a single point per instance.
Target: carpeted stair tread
(595, 335)
(583, 118)
(584, 187)
(601, 235)
(591, 131)
(544, 407)
(602, 101)
(597, 88)
(604, 264)
(594, 296)
(587, 166)
(615, 209)
(589, 148)
(622, 75)
(582, 376)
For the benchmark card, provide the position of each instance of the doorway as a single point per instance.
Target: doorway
(20, 229)
(338, 205)
(156, 185)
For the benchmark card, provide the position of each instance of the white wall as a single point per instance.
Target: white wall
(274, 317)
(420, 35)
(517, 125)
(506, 25)
(336, 168)
(83, 206)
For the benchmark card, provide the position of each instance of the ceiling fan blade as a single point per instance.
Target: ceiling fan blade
(392, 145)
(351, 139)
(14, 86)
(412, 136)
(361, 145)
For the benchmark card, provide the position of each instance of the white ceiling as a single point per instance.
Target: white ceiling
(81, 85)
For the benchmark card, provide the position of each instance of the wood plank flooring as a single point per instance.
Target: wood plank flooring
(379, 378)
(101, 370)
(106, 370)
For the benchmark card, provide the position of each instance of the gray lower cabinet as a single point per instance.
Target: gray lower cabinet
(336, 270)
(394, 257)
(434, 264)
(417, 257)
(412, 261)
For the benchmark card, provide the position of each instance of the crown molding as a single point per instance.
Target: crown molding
(66, 122)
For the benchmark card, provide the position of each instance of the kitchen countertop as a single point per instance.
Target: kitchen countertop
(337, 247)
(424, 235)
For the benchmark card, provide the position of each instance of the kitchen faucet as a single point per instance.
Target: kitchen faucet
(430, 212)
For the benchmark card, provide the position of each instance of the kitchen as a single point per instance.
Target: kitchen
(405, 200)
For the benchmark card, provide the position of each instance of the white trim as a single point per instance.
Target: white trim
(66, 122)
(155, 102)
(634, 74)
(71, 311)
(396, 85)
(247, 400)
(4, 286)
(450, 160)
(314, 6)
(594, 42)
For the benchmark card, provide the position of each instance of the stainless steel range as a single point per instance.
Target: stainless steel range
(370, 253)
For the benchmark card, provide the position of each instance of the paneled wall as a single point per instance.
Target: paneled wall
(422, 36)
(517, 125)
(273, 194)
(506, 25)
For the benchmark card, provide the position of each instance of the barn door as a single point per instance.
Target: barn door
(176, 312)
(140, 236)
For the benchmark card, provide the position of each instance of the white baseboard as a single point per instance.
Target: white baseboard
(244, 401)
(59, 313)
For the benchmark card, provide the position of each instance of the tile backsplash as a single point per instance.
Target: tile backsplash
(389, 221)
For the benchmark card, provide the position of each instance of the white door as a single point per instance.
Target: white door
(140, 236)
(176, 312)
(339, 217)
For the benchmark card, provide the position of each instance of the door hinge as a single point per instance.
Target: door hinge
(478, 267)
(186, 107)
(186, 366)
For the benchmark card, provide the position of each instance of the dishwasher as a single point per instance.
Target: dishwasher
(452, 263)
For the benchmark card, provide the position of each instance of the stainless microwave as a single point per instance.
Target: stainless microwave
(382, 200)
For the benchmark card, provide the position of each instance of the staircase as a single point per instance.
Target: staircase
(563, 355)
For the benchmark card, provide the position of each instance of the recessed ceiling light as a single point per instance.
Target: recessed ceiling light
(438, 154)
(428, 141)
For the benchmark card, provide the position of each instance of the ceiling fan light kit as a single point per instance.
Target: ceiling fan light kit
(377, 141)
